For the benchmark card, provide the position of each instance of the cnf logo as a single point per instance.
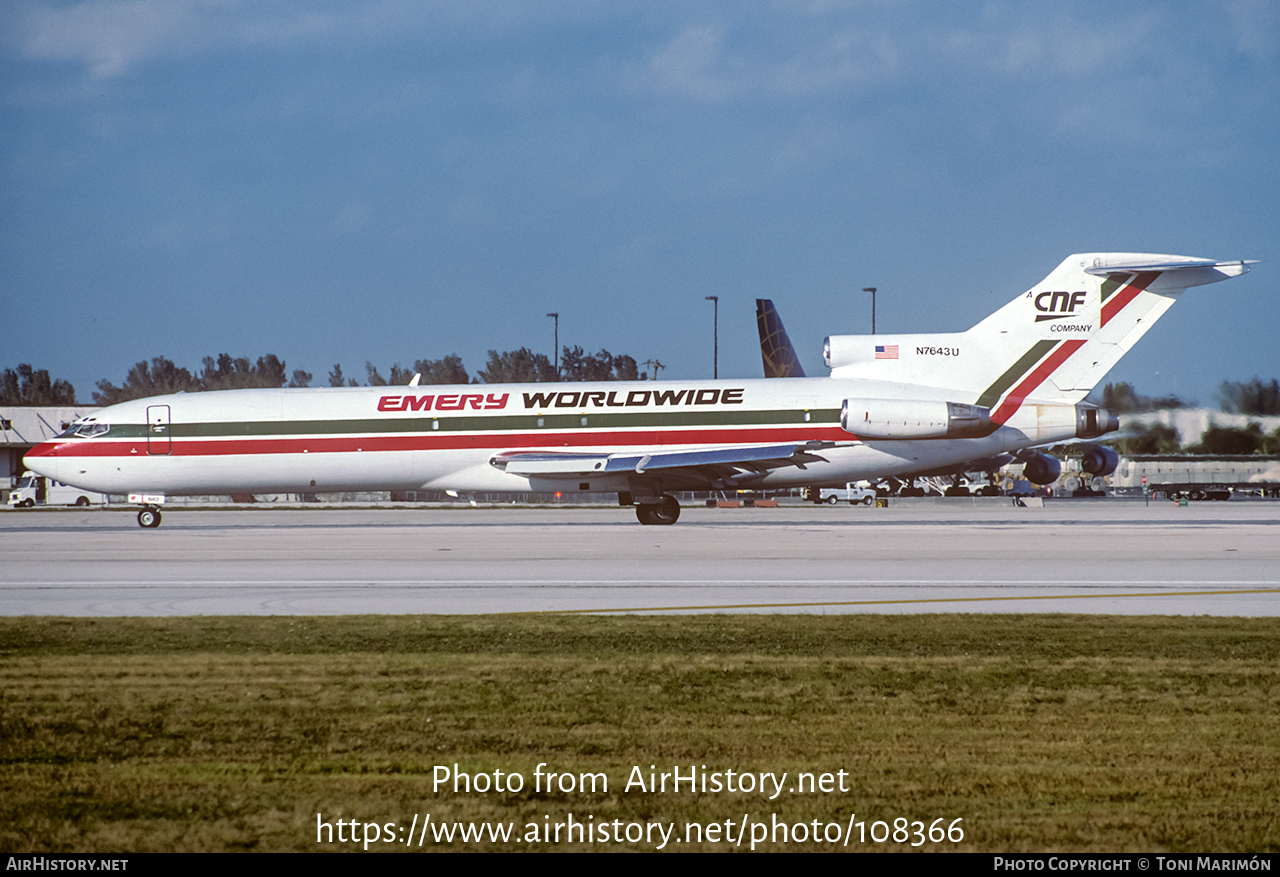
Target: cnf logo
(1056, 305)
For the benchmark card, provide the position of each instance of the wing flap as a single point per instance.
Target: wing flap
(548, 463)
(553, 463)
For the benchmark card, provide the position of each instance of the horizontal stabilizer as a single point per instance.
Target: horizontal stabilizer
(1102, 268)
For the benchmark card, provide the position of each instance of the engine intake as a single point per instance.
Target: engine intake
(1041, 469)
(1099, 460)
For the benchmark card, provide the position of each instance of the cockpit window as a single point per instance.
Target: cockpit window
(87, 429)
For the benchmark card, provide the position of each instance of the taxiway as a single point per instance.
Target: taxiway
(1112, 556)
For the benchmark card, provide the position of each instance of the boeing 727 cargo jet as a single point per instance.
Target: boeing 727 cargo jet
(892, 404)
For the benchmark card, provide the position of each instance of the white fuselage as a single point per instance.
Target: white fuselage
(444, 438)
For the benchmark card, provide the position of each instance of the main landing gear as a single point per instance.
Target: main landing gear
(149, 517)
(665, 511)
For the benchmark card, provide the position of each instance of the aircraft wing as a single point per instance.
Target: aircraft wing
(715, 462)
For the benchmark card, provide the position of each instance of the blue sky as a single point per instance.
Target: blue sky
(390, 181)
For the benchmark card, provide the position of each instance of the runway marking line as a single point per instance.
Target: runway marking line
(47, 584)
(884, 602)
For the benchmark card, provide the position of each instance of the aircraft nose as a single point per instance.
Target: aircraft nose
(43, 460)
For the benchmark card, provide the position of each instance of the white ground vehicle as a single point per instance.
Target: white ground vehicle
(850, 493)
(37, 490)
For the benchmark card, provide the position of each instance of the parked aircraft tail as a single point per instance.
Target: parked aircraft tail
(1054, 342)
(780, 359)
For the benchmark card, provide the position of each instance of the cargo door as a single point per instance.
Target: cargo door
(158, 439)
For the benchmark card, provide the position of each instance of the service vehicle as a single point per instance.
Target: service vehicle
(34, 490)
(850, 493)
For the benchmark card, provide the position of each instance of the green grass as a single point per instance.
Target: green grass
(1043, 732)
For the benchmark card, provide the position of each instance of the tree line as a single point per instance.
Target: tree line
(1253, 397)
(1156, 438)
(27, 385)
(521, 366)
(162, 376)
(1124, 399)
(1250, 397)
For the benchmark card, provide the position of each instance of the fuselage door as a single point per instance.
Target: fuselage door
(158, 440)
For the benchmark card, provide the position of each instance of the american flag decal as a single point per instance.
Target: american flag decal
(886, 351)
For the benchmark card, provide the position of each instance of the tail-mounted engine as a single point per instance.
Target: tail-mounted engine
(909, 419)
(1092, 422)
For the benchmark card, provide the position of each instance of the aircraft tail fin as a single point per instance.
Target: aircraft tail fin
(1054, 342)
(780, 360)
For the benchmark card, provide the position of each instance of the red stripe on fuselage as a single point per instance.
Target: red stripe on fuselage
(447, 442)
(1018, 394)
(1061, 354)
(1116, 303)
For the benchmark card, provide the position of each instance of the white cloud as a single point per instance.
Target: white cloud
(835, 49)
(696, 65)
(285, 29)
(688, 65)
(846, 59)
(111, 36)
(1257, 26)
(1059, 47)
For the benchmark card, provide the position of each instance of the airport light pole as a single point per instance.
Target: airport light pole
(715, 335)
(872, 290)
(556, 317)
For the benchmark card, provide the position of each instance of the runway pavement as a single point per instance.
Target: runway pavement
(1096, 556)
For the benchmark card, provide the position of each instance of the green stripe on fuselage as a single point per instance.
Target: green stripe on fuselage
(1112, 283)
(493, 423)
(993, 393)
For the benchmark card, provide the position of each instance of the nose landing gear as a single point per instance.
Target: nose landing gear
(149, 517)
